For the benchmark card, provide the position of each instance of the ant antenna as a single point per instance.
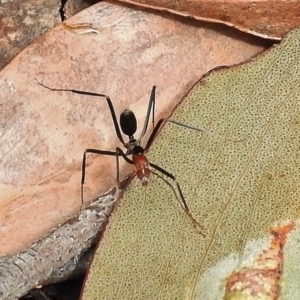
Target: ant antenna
(128, 124)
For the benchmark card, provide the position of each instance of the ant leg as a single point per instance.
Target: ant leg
(118, 167)
(182, 203)
(163, 171)
(151, 107)
(154, 132)
(185, 125)
(95, 151)
(158, 126)
(119, 152)
(116, 153)
(110, 105)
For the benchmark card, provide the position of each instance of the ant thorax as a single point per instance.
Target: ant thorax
(130, 145)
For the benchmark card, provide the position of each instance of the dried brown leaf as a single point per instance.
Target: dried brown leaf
(267, 19)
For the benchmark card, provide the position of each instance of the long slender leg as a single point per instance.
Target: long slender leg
(95, 151)
(153, 134)
(182, 202)
(151, 107)
(116, 153)
(185, 125)
(163, 171)
(158, 126)
(119, 152)
(110, 105)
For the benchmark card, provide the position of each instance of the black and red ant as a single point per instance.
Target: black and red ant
(128, 124)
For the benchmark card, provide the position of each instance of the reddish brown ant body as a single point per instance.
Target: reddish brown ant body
(141, 164)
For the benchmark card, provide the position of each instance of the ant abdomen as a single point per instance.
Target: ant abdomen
(128, 122)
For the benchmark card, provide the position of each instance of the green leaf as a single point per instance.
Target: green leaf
(241, 180)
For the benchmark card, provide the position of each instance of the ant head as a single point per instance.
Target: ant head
(128, 123)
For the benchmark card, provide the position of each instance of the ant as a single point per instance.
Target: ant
(128, 124)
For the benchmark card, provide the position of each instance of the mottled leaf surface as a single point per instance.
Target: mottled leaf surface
(240, 178)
